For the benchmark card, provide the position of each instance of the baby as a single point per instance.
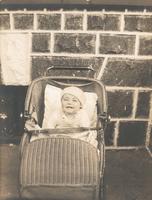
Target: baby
(71, 113)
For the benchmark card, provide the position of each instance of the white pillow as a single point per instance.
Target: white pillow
(52, 103)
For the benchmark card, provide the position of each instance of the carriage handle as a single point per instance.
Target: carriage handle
(69, 68)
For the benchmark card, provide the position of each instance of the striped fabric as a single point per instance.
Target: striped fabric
(59, 161)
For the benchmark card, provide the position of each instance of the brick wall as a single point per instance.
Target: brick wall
(118, 45)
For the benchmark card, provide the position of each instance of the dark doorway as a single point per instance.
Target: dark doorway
(11, 113)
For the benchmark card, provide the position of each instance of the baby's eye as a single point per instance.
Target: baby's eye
(74, 100)
(65, 99)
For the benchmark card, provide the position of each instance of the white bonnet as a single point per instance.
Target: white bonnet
(75, 91)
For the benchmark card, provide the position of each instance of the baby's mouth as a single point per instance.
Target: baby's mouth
(69, 107)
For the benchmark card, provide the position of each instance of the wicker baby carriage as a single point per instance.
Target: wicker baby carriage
(62, 168)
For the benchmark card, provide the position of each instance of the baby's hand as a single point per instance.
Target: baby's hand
(30, 125)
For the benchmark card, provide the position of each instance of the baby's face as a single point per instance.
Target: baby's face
(70, 104)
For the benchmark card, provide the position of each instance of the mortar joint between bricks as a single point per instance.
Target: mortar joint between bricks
(136, 45)
(116, 134)
(85, 20)
(11, 22)
(149, 128)
(62, 21)
(109, 88)
(148, 137)
(122, 23)
(102, 68)
(129, 119)
(135, 101)
(35, 22)
(45, 10)
(123, 148)
(150, 153)
(97, 43)
(52, 43)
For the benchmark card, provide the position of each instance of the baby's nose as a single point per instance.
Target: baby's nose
(70, 102)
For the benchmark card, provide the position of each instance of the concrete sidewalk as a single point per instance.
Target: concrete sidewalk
(128, 174)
